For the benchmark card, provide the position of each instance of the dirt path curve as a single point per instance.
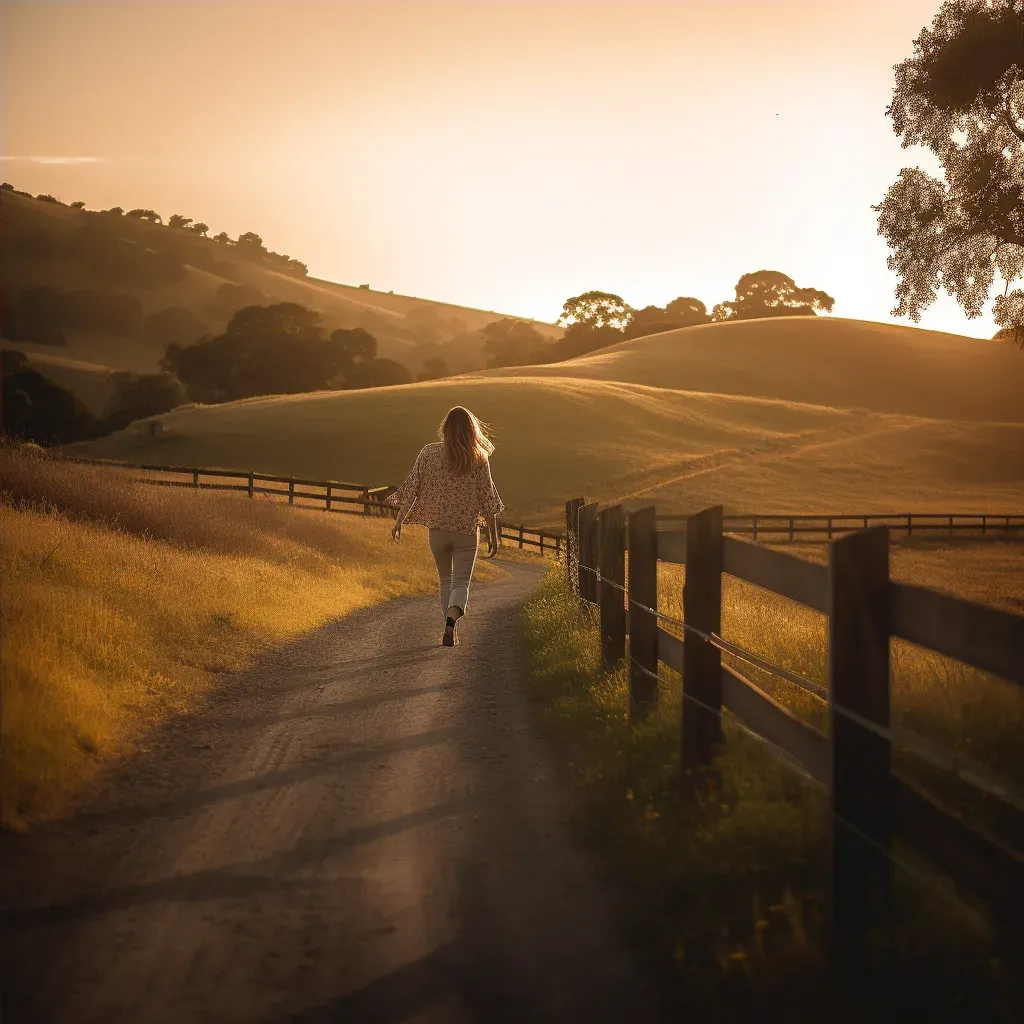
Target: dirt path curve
(366, 829)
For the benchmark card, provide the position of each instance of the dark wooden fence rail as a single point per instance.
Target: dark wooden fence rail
(870, 802)
(328, 495)
(779, 529)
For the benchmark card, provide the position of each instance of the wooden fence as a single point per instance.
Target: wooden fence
(804, 529)
(853, 760)
(326, 495)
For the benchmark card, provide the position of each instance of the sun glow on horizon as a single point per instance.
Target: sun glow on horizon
(501, 156)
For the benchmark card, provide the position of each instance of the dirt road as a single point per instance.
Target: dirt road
(365, 829)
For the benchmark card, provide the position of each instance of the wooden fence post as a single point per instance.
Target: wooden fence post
(702, 663)
(588, 561)
(613, 571)
(291, 492)
(861, 784)
(252, 483)
(520, 538)
(328, 497)
(195, 477)
(643, 626)
(541, 534)
(572, 542)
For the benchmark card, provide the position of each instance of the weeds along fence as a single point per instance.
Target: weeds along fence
(325, 495)
(870, 803)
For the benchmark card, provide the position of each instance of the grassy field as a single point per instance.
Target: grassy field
(125, 604)
(970, 712)
(560, 437)
(825, 360)
(726, 887)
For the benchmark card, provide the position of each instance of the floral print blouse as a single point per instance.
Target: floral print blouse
(434, 496)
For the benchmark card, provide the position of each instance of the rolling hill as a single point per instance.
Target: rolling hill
(823, 360)
(566, 429)
(37, 247)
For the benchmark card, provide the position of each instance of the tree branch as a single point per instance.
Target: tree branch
(1011, 120)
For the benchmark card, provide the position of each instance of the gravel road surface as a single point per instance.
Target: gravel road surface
(365, 828)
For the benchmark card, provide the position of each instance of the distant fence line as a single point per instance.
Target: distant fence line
(368, 500)
(853, 760)
(777, 529)
(328, 495)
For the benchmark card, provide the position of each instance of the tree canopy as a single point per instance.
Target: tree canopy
(433, 369)
(138, 395)
(961, 94)
(511, 342)
(596, 309)
(278, 349)
(33, 408)
(771, 293)
(682, 312)
(687, 311)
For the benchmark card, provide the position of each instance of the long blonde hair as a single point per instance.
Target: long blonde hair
(465, 439)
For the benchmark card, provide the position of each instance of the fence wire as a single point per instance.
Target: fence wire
(964, 768)
(783, 756)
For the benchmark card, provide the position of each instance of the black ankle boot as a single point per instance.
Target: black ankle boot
(450, 638)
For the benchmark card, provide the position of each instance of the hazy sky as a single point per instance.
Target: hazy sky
(501, 155)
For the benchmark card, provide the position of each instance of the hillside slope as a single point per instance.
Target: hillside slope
(558, 437)
(39, 237)
(822, 360)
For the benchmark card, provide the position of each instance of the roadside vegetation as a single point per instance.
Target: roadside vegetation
(125, 604)
(724, 884)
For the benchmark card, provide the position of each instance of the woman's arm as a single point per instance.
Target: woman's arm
(492, 535)
(490, 505)
(396, 530)
(405, 497)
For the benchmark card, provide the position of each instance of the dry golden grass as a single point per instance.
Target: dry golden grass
(824, 360)
(806, 437)
(728, 882)
(962, 709)
(124, 604)
(611, 442)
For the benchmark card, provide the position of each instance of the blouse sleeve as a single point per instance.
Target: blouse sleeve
(406, 495)
(489, 500)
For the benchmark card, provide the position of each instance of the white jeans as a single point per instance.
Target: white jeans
(455, 555)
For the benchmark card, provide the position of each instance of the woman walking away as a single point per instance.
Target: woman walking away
(450, 490)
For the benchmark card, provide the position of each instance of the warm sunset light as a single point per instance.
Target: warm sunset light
(491, 154)
(512, 511)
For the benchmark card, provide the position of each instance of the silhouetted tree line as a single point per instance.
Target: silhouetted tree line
(279, 349)
(34, 408)
(249, 245)
(597, 319)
